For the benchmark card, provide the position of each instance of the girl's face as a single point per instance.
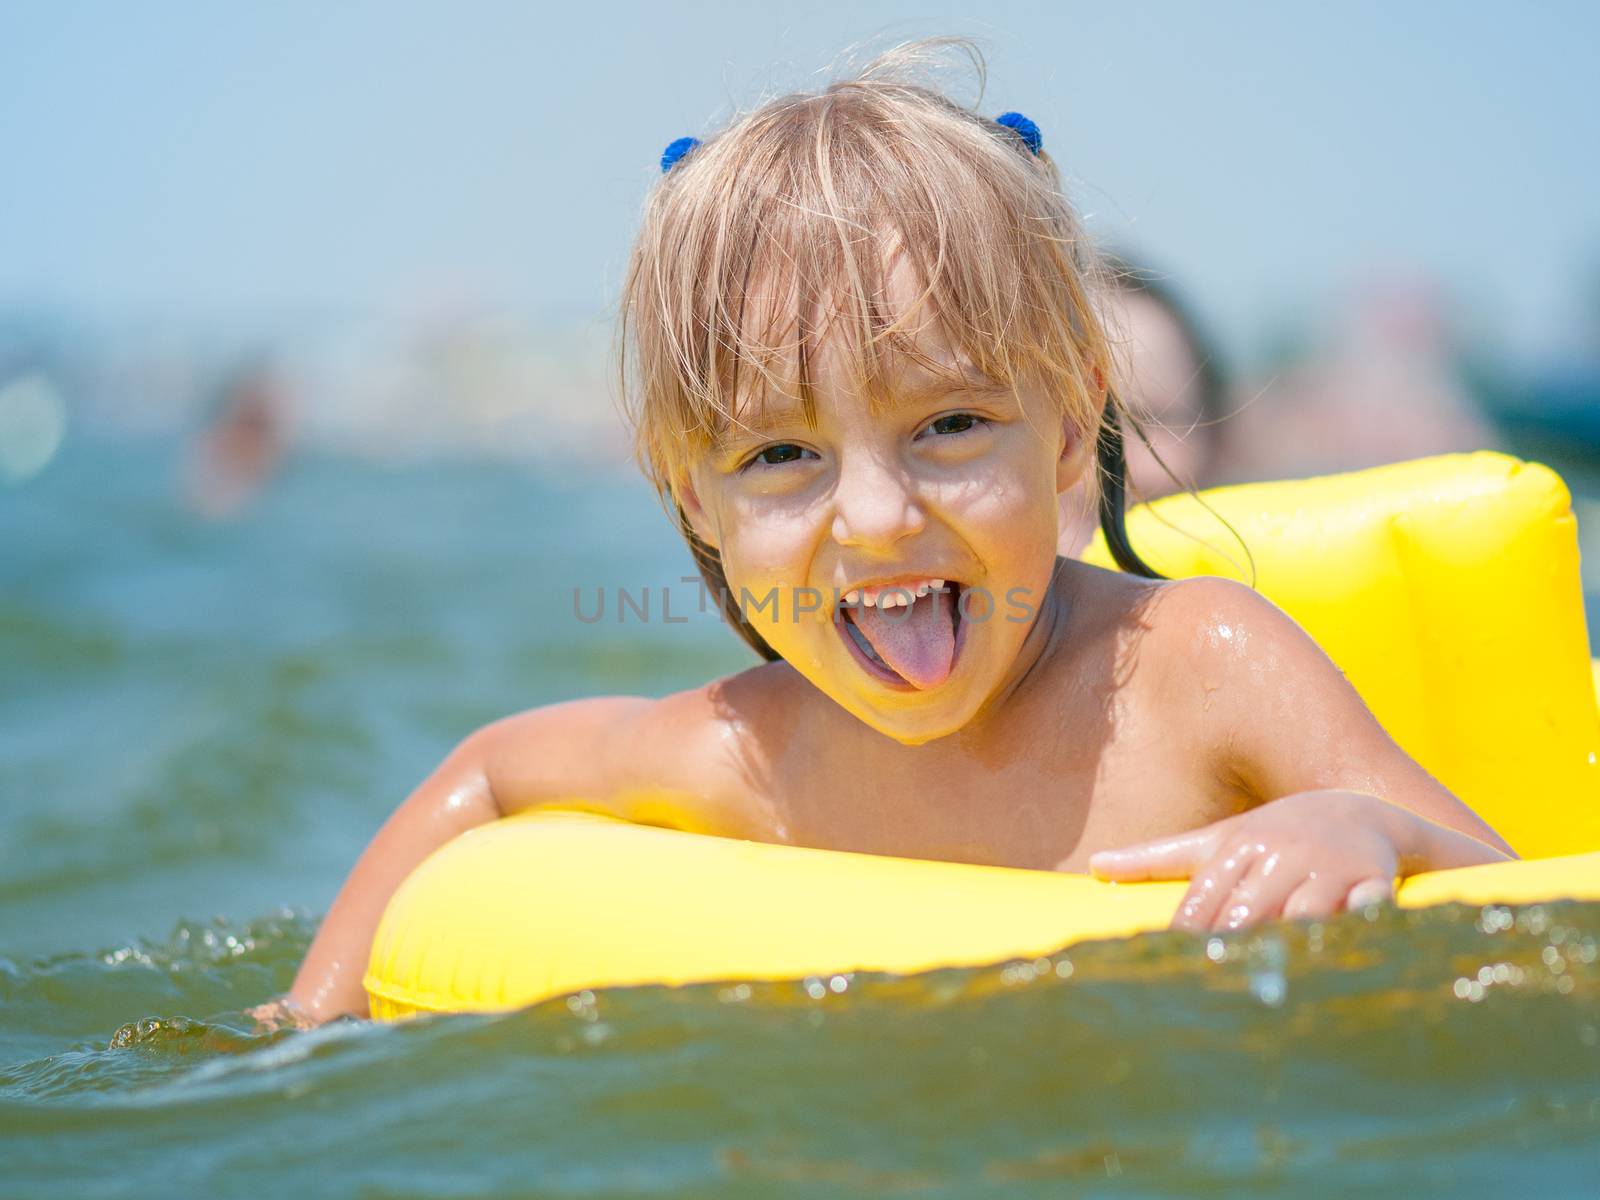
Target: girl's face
(951, 484)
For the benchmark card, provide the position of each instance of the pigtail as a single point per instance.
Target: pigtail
(709, 564)
(1113, 464)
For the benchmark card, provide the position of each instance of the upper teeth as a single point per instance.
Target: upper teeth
(894, 595)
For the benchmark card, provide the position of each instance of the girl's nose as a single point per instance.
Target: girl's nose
(874, 504)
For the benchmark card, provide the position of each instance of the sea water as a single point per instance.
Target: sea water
(201, 724)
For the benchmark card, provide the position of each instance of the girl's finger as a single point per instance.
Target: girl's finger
(1165, 858)
(1213, 884)
(1377, 890)
(1258, 897)
(1316, 898)
(1234, 910)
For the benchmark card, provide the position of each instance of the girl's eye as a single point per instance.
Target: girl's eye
(782, 453)
(778, 454)
(954, 423)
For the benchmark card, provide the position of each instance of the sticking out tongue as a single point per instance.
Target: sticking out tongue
(919, 643)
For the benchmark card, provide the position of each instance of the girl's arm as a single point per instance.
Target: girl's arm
(455, 798)
(599, 751)
(1349, 809)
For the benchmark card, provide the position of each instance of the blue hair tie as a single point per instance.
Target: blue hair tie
(676, 150)
(1019, 125)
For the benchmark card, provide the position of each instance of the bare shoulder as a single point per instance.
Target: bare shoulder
(1227, 642)
(709, 747)
(1215, 621)
(685, 760)
(1148, 628)
(1277, 713)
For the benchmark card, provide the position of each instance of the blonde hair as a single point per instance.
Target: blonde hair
(778, 232)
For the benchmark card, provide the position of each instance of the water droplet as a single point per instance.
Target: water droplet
(1267, 981)
(1269, 989)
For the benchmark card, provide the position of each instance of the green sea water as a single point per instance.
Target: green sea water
(201, 725)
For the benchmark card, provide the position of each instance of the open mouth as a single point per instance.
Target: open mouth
(909, 643)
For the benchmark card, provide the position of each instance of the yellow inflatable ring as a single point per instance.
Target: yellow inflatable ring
(1447, 589)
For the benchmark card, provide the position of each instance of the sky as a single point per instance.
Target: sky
(255, 163)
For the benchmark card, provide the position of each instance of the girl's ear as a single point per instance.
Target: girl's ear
(1074, 457)
(1078, 447)
(694, 511)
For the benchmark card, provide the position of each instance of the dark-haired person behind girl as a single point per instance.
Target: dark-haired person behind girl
(1170, 377)
(864, 364)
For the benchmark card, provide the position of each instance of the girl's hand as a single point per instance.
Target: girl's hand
(281, 1013)
(1307, 855)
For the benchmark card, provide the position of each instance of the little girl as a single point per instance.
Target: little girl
(863, 361)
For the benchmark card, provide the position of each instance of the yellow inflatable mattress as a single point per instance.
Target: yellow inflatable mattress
(1447, 590)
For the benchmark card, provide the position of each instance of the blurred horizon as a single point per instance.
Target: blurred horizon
(414, 218)
(262, 169)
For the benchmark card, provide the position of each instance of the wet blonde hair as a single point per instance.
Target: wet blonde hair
(780, 231)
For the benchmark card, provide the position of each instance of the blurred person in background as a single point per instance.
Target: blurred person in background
(1172, 377)
(1386, 387)
(239, 449)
